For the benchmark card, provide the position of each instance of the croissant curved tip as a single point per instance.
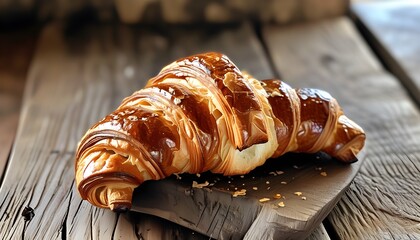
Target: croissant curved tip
(349, 151)
(119, 199)
(355, 138)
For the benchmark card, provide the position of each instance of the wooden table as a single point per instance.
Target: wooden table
(382, 202)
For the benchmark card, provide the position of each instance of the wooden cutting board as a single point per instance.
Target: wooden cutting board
(288, 197)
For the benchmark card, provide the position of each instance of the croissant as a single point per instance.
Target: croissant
(201, 113)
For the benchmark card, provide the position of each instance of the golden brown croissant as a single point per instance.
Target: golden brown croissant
(199, 114)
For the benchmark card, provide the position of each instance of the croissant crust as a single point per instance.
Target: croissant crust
(201, 113)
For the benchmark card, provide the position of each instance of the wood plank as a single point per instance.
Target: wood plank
(382, 202)
(75, 78)
(392, 28)
(16, 48)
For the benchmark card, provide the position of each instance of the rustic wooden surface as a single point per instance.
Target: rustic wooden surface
(16, 48)
(76, 76)
(393, 29)
(383, 202)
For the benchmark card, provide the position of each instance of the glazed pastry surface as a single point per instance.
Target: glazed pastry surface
(201, 113)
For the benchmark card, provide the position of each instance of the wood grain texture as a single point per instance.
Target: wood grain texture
(382, 202)
(16, 49)
(78, 75)
(393, 30)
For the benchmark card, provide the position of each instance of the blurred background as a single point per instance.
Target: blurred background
(13, 13)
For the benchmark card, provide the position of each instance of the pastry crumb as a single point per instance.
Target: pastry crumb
(324, 174)
(284, 183)
(298, 193)
(277, 196)
(255, 188)
(200, 185)
(281, 204)
(303, 198)
(264, 200)
(242, 192)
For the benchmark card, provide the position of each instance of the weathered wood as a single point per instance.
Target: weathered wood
(382, 202)
(16, 48)
(392, 28)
